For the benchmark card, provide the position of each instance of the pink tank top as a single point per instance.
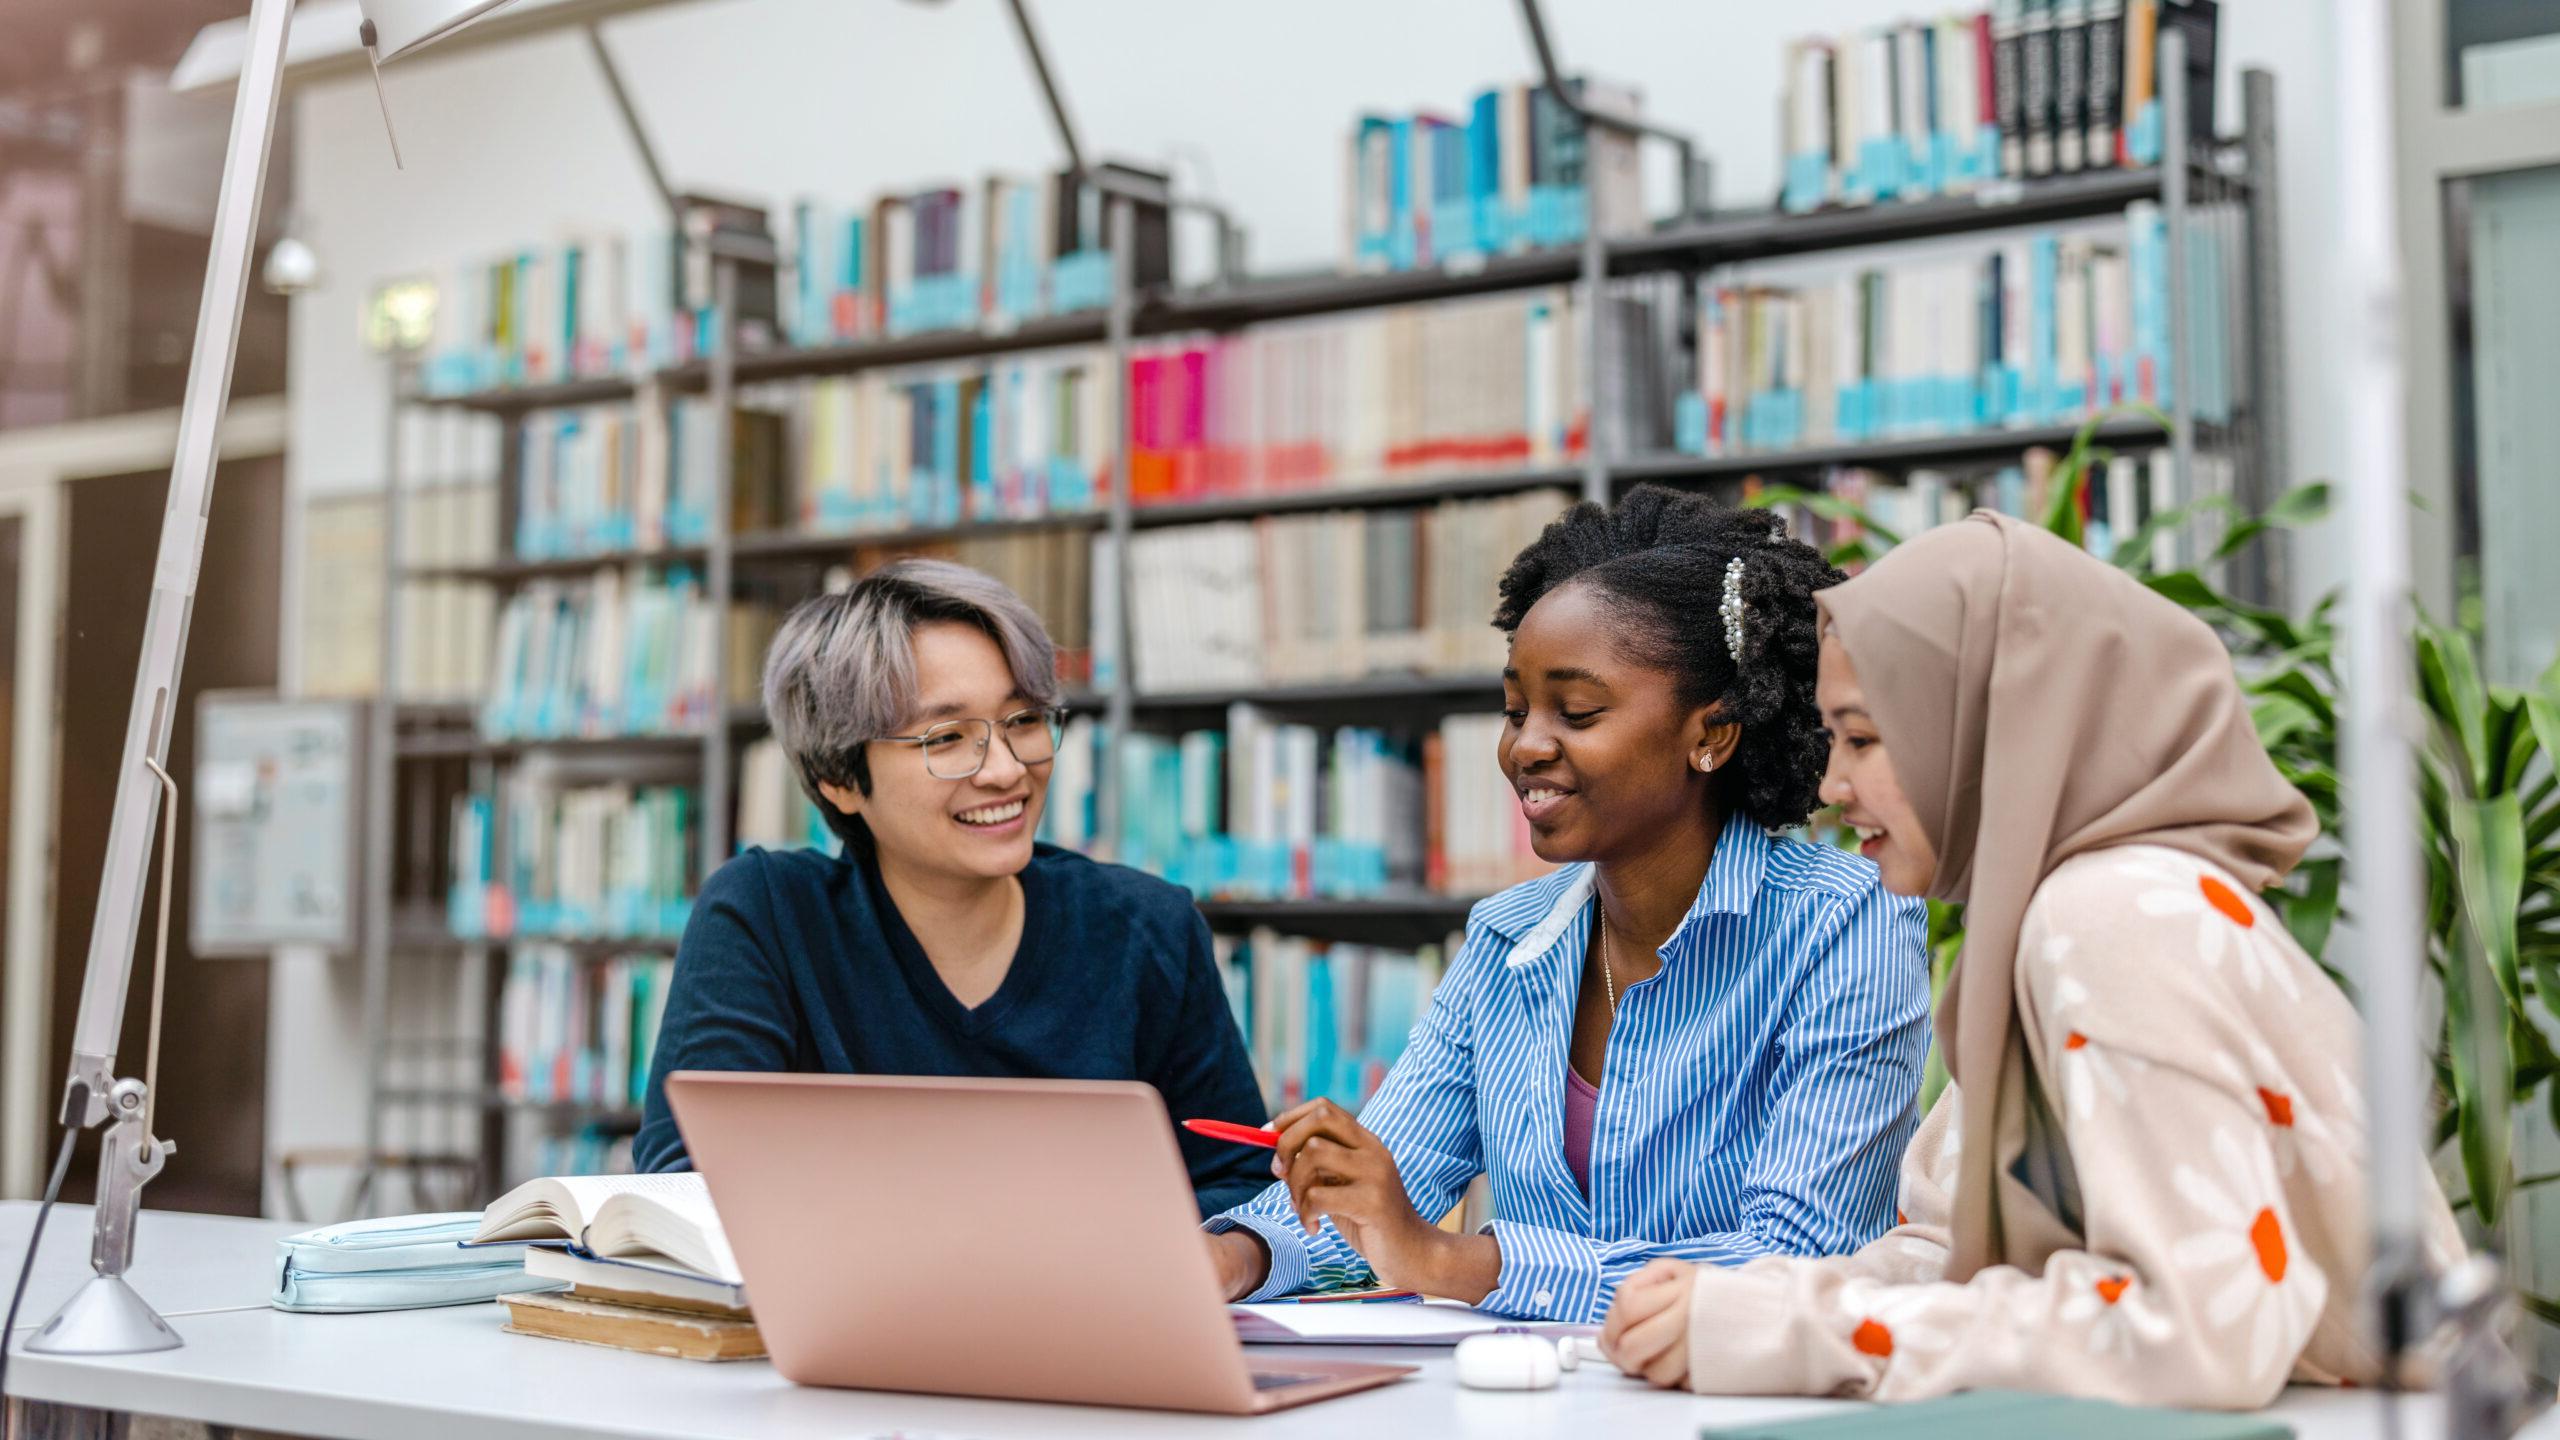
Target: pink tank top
(1581, 1099)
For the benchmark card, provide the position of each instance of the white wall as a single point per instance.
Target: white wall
(772, 99)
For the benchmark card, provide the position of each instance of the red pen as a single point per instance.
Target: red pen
(1240, 1134)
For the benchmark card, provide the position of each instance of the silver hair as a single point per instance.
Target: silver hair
(842, 669)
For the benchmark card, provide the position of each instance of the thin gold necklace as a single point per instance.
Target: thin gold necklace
(1607, 977)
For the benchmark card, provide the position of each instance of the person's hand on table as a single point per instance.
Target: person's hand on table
(1647, 1333)
(1335, 1168)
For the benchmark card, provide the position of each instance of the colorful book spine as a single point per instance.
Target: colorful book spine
(2040, 327)
(1326, 1019)
(575, 1031)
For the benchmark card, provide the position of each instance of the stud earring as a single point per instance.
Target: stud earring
(1706, 762)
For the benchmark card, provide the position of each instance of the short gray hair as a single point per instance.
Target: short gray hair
(842, 669)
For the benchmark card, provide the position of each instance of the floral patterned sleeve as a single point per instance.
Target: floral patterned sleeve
(2191, 1054)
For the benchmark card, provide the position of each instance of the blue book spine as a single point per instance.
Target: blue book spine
(2043, 262)
(1484, 170)
(1403, 240)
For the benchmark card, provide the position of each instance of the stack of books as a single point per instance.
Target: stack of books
(607, 861)
(2026, 88)
(1323, 1019)
(1334, 595)
(1428, 189)
(960, 257)
(1013, 439)
(2044, 327)
(581, 1032)
(648, 1267)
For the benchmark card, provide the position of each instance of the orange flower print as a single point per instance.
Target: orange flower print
(2088, 1071)
(1884, 1320)
(2227, 922)
(2117, 1315)
(2244, 1238)
(2302, 1138)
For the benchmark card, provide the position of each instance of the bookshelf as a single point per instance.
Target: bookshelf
(2234, 175)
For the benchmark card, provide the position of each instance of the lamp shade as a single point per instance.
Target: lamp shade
(400, 26)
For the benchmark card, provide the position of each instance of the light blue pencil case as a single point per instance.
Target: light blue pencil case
(399, 1262)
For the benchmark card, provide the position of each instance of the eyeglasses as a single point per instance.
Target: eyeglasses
(957, 749)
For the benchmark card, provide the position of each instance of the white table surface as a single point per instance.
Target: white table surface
(435, 1374)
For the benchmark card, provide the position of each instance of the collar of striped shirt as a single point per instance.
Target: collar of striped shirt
(1536, 916)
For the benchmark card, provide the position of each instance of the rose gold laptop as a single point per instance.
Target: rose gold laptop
(1025, 1239)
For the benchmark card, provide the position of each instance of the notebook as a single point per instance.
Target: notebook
(1991, 1414)
(1433, 1322)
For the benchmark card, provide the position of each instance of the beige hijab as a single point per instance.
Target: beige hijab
(2038, 702)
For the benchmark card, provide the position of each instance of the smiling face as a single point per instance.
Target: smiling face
(1860, 780)
(1601, 751)
(980, 827)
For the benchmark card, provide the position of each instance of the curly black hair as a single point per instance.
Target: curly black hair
(1661, 554)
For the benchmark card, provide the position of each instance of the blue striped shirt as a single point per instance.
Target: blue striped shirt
(1757, 1096)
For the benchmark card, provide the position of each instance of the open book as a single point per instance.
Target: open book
(664, 1220)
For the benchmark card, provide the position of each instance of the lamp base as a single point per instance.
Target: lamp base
(104, 1317)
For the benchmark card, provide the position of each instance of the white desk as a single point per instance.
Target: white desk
(435, 1374)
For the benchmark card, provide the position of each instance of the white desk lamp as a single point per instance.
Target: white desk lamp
(105, 1316)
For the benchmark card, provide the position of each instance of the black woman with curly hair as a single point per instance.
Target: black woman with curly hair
(1693, 1040)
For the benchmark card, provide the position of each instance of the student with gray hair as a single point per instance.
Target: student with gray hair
(920, 711)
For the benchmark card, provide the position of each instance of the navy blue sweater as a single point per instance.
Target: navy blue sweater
(798, 961)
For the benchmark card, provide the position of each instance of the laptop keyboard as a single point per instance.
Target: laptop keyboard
(1279, 1379)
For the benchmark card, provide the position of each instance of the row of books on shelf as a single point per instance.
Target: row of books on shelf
(606, 478)
(2042, 327)
(593, 303)
(1265, 810)
(1493, 383)
(1323, 1019)
(579, 1032)
(445, 624)
(2121, 493)
(1326, 596)
(1016, 438)
(617, 652)
(1521, 171)
(580, 860)
(1943, 105)
(955, 257)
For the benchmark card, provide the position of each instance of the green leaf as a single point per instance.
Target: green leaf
(2062, 510)
(2279, 718)
(2488, 843)
(2311, 912)
(2546, 1311)
(2542, 711)
(2450, 677)
(2299, 506)
(2187, 588)
(2475, 1044)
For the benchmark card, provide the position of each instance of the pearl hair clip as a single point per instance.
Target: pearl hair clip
(1732, 609)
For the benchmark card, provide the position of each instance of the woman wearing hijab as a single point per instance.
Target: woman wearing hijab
(2148, 1180)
